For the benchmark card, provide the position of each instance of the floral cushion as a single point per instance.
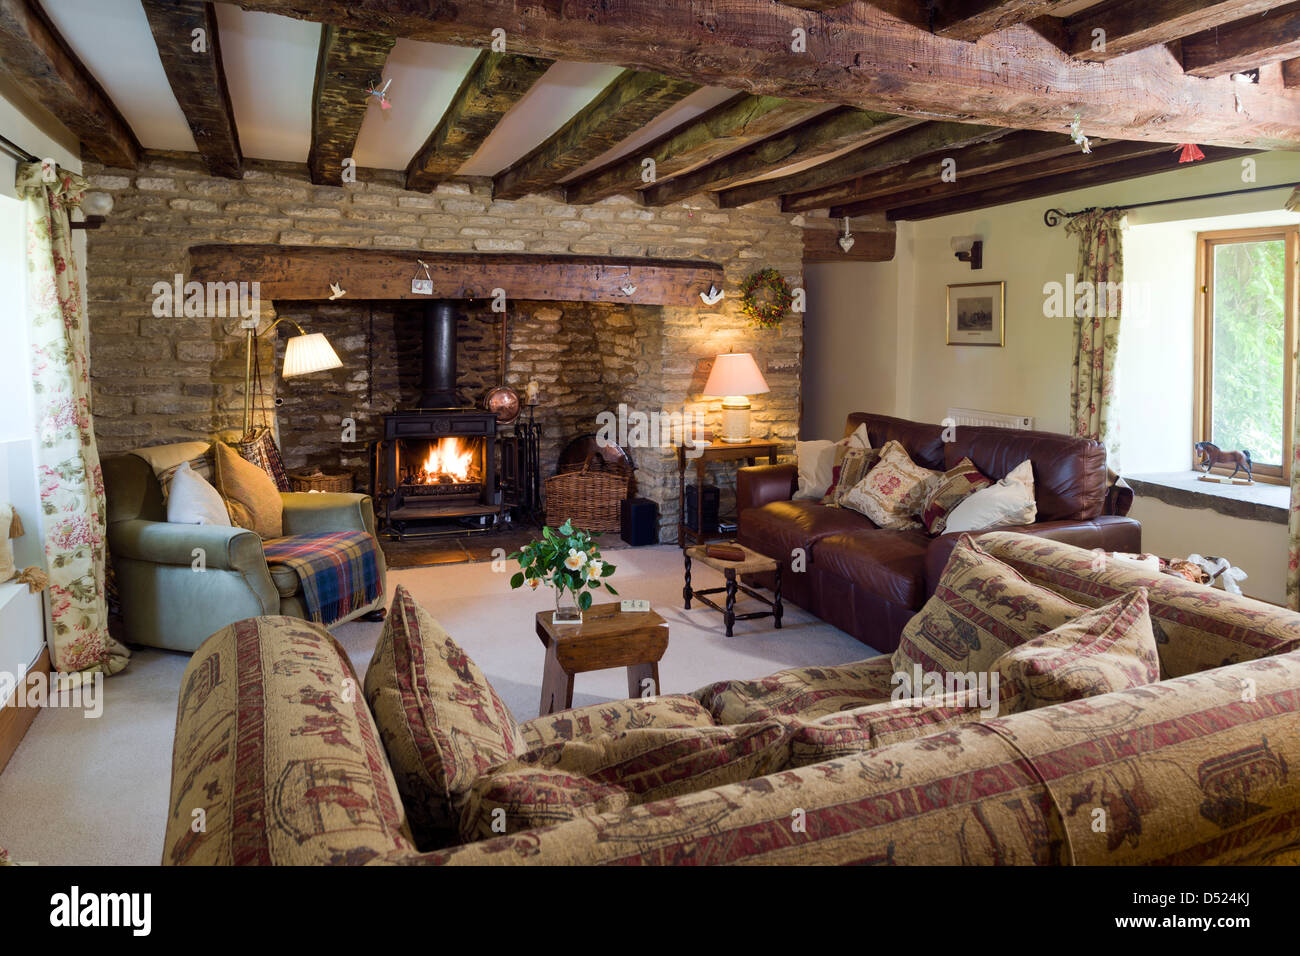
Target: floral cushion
(441, 722)
(660, 713)
(575, 778)
(1106, 649)
(952, 488)
(980, 609)
(892, 493)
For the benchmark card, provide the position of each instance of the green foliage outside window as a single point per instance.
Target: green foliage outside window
(1249, 348)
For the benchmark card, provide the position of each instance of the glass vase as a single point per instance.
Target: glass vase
(566, 607)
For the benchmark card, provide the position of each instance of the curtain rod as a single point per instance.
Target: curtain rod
(16, 151)
(1053, 217)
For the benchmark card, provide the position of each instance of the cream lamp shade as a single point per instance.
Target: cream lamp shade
(735, 376)
(307, 353)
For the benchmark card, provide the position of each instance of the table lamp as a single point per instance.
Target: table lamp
(734, 378)
(303, 354)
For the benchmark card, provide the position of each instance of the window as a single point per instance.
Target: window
(1245, 343)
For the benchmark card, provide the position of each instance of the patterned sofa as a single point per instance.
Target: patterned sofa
(278, 760)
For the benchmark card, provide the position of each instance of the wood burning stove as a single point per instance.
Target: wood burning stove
(435, 469)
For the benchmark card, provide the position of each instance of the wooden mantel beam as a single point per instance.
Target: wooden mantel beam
(198, 80)
(856, 55)
(1129, 25)
(1244, 44)
(348, 62)
(494, 84)
(37, 59)
(631, 101)
(305, 272)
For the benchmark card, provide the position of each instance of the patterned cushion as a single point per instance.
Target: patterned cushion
(956, 485)
(568, 779)
(165, 459)
(802, 691)
(442, 723)
(879, 725)
(850, 470)
(276, 758)
(250, 495)
(892, 493)
(980, 609)
(668, 711)
(1106, 649)
(1196, 627)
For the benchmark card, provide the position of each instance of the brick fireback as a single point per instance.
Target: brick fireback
(158, 379)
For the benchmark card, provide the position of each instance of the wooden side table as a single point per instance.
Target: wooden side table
(752, 563)
(716, 451)
(607, 637)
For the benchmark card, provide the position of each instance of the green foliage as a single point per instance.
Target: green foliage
(565, 558)
(1249, 348)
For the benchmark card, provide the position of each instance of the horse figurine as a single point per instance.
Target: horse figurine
(1211, 456)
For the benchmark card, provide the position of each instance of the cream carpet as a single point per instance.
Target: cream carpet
(94, 792)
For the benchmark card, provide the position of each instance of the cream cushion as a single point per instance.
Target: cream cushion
(194, 501)
(1006, 503)
(816, 467)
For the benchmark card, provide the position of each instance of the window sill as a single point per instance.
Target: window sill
(1182, 489)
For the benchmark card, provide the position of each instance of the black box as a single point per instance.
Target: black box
(639, 521)
(711, 499)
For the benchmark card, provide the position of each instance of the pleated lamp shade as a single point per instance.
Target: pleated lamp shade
(304, 354)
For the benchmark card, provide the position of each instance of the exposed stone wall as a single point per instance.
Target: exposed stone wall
(158, 379)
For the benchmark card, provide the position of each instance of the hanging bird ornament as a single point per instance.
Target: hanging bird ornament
(382, 93)
(1076, 134)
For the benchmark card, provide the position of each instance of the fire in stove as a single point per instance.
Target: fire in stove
(445, 467)
(448, 461)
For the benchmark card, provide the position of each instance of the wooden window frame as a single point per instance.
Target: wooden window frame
(1202, 416)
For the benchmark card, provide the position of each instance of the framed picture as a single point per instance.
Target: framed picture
(977, 313)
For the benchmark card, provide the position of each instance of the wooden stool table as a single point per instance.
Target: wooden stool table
(607, 637)
(753, 563)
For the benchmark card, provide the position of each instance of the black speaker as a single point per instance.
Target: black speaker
(711, 499)
(640, 521)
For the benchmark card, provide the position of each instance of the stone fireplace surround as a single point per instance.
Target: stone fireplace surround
(166, 379)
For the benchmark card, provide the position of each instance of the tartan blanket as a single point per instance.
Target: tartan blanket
(339, 571)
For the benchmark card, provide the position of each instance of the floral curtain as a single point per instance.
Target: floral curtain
(1099, 298)
(71, 484)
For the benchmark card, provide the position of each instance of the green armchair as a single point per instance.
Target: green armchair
(166, 602)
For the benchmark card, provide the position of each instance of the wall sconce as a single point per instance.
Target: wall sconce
(95, 207)
(969, 249)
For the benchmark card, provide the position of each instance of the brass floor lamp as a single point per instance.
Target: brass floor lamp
(304, 353)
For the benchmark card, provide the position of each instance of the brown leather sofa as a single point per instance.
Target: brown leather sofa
(869, 581)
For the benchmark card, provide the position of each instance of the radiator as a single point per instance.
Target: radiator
(973, 416)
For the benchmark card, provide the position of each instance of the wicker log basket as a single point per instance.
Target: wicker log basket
(589, 496)
(318, 481)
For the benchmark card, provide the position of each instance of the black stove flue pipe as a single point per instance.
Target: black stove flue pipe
(439, 359)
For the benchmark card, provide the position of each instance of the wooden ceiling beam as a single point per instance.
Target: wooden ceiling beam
(859, 55)
(735, 123)
(1103, 172)
(822, 244)
(631, 101)
(1244, 44)
(973, 19)
(1128, 25)
(1015, 150)
(1107, 151)
(822, 135)
(495, 83)
(198, 80)
(38, 60)
(348, 63)
(816, 4)
(1291, 74)
(901, 148)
